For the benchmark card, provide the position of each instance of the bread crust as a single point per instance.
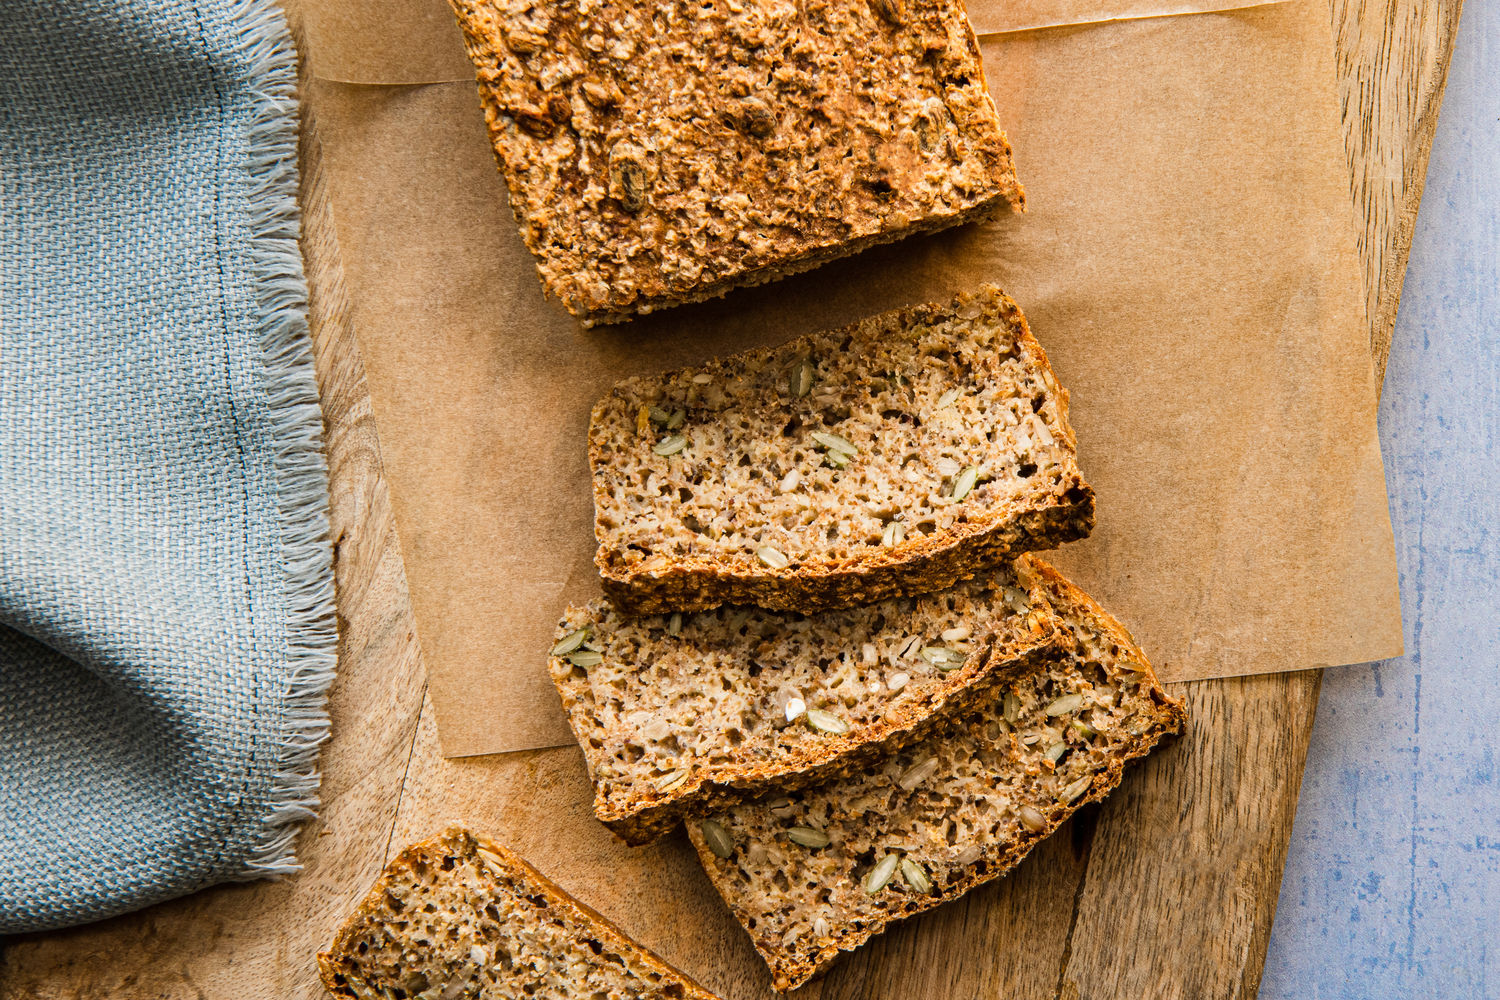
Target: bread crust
(1046, 517)
(1168, 719)
(939, 566)
(458, 841)
(654, 821)
(663, 154)
(639, 821)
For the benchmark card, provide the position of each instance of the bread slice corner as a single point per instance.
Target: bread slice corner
(460, 915)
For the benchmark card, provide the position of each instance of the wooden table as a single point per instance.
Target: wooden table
(1205, 822)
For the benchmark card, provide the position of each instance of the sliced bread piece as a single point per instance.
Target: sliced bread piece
(660, 153)
(462, 916)
(679, 712)
(815, 873)
(894, 456)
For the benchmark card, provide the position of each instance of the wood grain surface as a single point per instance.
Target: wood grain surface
(1393, 63)
(1203, 823)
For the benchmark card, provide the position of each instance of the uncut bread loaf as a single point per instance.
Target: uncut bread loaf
(661, 153)
(894, 456)
(461, 916)
(679, 712)
(815, 873)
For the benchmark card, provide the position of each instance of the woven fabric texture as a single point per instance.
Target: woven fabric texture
(166, 614)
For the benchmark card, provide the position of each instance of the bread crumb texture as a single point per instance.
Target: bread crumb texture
(896, 455)
(675, 711)
(945, 815)
(456, 916)
(659, 153)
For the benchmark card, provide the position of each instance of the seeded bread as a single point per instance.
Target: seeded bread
(461, 916)
(691, 711)
(664, 153)
(897, 455)
(815, 873)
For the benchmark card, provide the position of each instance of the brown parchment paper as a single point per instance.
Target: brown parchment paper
(398, 42)
(1187, 261)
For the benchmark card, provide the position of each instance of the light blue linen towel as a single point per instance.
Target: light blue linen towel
(166, 596)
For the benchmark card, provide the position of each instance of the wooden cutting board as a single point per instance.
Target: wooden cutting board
(1166, 891)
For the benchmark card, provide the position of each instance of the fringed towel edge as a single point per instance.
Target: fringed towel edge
(301, 469)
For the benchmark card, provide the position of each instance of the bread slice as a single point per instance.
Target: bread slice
(691, 711)
(956, 810)
(664, 153)
(894, 456)
(462, 916)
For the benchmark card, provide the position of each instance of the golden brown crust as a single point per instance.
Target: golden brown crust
(660, 154)
(1046, 526)
(459, 842)
(1043, 516)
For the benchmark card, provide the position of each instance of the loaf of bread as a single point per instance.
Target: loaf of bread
(685, 712)
(814, 873)
(460, 916)
(897, 455)
(661, 153)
